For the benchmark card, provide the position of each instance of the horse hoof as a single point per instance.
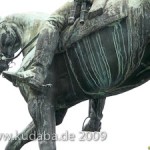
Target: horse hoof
(93, 125)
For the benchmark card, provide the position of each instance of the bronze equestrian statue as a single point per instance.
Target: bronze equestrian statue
(96, 106)
(107, 55)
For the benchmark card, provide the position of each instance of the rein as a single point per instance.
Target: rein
(26, 46)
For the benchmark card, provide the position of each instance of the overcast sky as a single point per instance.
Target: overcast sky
(126, 116)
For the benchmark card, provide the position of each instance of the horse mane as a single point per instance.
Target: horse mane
(25, 23)
(24, 18)
(27, 19)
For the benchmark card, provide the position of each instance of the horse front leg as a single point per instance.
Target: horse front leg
(29, 134)
(96, 107)
(43, 113)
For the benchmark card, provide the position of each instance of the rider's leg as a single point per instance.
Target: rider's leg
(45, 49)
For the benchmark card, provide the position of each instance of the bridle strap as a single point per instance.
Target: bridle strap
(26, 46)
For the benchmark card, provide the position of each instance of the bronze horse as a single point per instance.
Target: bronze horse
(107, 55)
(32, 23)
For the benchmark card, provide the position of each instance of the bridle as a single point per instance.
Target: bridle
(4, 58)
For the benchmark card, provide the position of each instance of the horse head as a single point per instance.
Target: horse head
(9, 43)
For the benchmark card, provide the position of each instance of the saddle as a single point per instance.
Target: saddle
(113, 11)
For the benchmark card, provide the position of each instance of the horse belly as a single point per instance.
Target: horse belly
(104, 59)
